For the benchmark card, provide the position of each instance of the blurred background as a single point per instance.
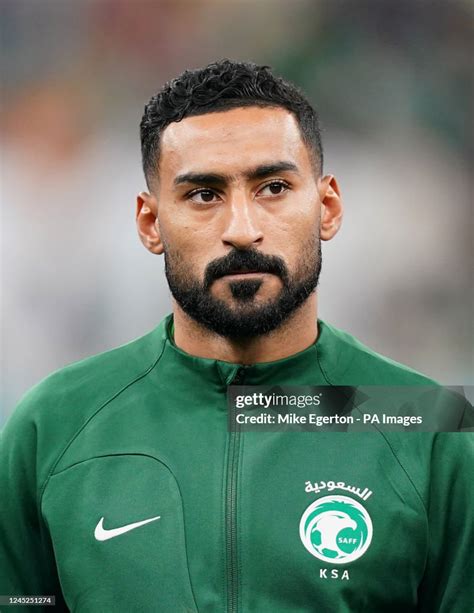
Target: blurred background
(392, 81)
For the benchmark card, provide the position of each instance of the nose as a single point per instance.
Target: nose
(242, 226)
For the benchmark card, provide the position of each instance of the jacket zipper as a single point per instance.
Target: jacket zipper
(231, 507)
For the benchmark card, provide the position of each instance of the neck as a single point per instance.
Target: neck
(294, 335)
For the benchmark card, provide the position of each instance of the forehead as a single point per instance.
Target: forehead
(232, 140)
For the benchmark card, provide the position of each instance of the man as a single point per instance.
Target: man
(123, 488)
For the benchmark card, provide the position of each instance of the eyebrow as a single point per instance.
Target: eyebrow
(215, 179)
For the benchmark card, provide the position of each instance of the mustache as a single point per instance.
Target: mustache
(245, 260)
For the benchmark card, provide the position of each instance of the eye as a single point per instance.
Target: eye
(275, 188)
(202, 196)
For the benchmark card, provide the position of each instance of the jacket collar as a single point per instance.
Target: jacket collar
(302, 368)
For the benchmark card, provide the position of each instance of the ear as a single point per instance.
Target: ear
(147, 223)
(331, 207)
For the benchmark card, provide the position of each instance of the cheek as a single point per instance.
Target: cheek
(187, 251)
(293, 228)
(191, 230)
(300, 210)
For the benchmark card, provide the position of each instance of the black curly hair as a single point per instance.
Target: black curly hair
(221, 86)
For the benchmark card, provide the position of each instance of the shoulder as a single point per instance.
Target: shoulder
(347, 361)
(95, 378)
(51, 412)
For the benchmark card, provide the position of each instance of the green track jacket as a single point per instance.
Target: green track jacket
(122, 490)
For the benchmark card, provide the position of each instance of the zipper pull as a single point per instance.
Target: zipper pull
(239, 376)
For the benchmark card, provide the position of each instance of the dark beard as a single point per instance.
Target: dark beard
(246, 320)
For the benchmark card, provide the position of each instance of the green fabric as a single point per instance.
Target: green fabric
(141, 431)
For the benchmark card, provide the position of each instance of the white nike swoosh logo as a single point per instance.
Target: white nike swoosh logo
(101, 534)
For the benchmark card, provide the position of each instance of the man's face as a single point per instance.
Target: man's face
(238, 216)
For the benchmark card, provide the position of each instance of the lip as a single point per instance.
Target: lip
(245, 274)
